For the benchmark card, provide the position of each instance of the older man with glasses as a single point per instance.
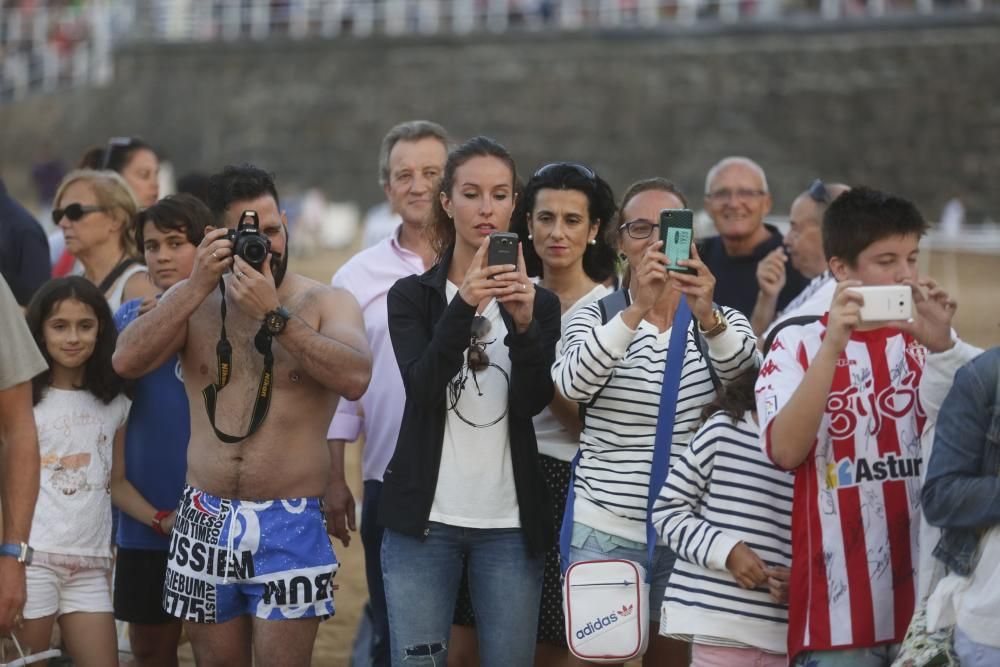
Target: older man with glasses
(804, 246)
(737, 199)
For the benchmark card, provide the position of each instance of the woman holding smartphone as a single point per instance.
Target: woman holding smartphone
(616, 369)
(474, 343)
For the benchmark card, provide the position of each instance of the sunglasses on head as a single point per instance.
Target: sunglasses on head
(581, 169)
(818, 192)
(114, 143)
(73, 212)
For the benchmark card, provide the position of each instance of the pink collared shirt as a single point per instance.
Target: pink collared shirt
(368, 276)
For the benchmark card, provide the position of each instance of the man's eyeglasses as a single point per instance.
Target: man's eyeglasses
(581, 169)
(638, 229)
(742, 194)
(818, 192)
(73, 212)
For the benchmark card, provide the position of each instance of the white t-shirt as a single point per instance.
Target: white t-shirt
(553, 438)
(475, 486)
(972, 602)
(76, 433)
(815, 299)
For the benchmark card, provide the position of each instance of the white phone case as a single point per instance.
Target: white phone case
(885, 303)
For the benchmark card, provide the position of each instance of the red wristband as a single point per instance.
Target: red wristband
(155, 523)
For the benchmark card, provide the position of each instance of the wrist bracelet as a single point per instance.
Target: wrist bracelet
(155, 523)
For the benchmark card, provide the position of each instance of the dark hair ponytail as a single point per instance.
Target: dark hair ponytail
(735, 398)
(441, 228)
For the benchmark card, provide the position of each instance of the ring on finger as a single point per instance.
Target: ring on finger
(214, 255)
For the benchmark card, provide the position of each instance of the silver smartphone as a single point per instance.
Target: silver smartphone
(885, 303)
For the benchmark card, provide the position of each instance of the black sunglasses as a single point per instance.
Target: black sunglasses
(581, 169)
(73, 212)
(478, 359)
(818, 192)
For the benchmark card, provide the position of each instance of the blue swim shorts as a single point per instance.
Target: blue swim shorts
(271, 559)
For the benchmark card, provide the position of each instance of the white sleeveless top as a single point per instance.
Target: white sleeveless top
(114, 293)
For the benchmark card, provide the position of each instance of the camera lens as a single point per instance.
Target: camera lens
(254, 251)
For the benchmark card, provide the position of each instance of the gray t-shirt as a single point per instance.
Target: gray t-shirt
(20, 359)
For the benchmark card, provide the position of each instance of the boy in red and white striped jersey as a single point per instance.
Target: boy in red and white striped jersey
(838, 403)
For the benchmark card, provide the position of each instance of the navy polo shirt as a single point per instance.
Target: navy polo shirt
(736, 277)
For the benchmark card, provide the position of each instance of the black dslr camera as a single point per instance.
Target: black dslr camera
(248, 242)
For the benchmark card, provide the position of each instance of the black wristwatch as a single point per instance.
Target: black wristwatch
(275, 320)
(21, 551)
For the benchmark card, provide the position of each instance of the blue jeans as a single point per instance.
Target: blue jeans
(371, 540)
(421, 582)
(973, 654)
(882, 655)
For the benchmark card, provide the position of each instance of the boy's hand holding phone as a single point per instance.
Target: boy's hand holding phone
(845, 316)
(931, 324)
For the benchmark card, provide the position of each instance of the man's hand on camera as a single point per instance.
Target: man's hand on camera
(214, 257)
(254, 292)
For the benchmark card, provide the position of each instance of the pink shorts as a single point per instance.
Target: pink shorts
(58, 585)
(703, 655)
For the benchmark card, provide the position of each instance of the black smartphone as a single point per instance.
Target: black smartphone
(503, 248)
(676, 232)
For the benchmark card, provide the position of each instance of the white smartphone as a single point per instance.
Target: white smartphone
(885, 303)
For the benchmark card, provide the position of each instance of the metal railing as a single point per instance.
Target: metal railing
(49, 45)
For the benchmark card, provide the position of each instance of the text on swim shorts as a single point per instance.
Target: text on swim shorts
(204, 558)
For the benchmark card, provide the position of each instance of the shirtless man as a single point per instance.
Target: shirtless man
(251, 565)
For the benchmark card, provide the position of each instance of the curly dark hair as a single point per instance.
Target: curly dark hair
(598, 260)
(238, 183)
(99, 377)
(441, 228)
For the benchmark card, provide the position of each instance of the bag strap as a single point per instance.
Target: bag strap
(661, 447)
(619, 300)
(115, 274)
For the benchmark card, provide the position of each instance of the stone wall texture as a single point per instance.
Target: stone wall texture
(910, 107)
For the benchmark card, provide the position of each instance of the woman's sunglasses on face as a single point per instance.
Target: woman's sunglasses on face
(73, 212)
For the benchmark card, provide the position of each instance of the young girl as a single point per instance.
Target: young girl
(726, 511)
(79, 411)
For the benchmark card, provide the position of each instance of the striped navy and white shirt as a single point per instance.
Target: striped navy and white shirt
(624, 368)
(724, 490)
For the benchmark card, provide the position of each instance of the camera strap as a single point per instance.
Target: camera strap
(224, 355)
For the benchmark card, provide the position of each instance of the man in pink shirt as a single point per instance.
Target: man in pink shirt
(411, 160)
